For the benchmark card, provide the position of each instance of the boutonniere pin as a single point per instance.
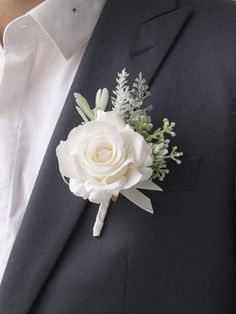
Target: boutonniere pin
(116, 152)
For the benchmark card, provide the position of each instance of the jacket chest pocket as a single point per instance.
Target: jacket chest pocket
(182, 177)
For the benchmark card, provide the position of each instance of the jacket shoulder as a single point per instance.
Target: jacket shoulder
(220, 9)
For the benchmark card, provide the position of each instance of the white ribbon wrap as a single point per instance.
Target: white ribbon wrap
(133, 195)
(102, 211)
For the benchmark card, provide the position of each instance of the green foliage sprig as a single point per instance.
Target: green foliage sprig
(130, 104)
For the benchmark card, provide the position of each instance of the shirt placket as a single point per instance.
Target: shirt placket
(16, 65)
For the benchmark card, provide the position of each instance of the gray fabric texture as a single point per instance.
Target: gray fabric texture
(180, 260)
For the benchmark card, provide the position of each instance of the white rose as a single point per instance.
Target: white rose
(103, 157)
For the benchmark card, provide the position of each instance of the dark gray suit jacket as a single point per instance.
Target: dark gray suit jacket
(181, 260)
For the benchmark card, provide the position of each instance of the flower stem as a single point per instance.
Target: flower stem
(101, 215)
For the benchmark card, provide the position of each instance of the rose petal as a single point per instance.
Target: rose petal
(133, 176)
(77, 188)
(135, 145)
(67, 166)
(113, 118)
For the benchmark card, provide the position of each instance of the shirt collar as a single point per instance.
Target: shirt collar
(68, 23)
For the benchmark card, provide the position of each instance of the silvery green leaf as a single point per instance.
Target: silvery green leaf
(102, 99)
(98, 96)
(84, 106)
(83, 116)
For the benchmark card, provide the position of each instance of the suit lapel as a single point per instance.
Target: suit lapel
(121, 39)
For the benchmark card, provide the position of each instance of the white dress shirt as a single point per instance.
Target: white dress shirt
(42, 51)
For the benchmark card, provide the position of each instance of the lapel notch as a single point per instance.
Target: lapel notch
(160, 26)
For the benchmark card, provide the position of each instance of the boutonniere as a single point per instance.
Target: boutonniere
(116, 152)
